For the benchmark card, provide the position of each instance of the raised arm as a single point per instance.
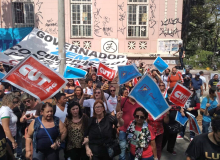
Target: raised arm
(29, 141)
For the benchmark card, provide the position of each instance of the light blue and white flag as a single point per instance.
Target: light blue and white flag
(127, 73)
(74, 73)
(147, 93)
(193, 124)
(181, 119)
(160, 64)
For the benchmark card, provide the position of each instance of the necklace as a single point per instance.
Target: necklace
(216, 140)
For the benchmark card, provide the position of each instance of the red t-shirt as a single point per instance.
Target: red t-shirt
(173, 79)
(147, 152)
(128, 111)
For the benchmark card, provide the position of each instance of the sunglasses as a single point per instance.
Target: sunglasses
(27, 101)
(15, 102)
(112, 90)
(161, 85)
(97, 92)
(139, 117)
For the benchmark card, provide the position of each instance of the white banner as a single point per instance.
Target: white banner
(45, 48)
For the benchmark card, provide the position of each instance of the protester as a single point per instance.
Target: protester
(9, 119)
(174, 78)
(2, 90)
(128, 106)
(141, 68)
(123, 87)
(78, 92)
(214, 81)
(2, 69)
(125, 93)
(141, 139)
(8, 87)
(165, 76)
(104, 85)
(206, 146)
(95, 80)
(207, 104)
(197, 85)
(187, 78)
(192, 106)
(112, 98)
(46, 139)
(156, 76)
(76, 122)
(89, 89)
(181, 52)
(98, 95)
(173, 127)
(203, 79)
(162, 88)
(100, 131)
(69, 89)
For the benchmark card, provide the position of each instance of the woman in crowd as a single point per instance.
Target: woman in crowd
(76, 122)
(173, 127)
(69, 89)
(98, 95)
(125, 93)
(8, 119)
(99, 132)
(127, 86)
(162, 88)
(112, 98)
(46, 132)
(78, 92)
(141, 138)
(192, 105)
(104, 84)
(157, 126)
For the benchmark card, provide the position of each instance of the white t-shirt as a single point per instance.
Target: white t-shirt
(90, 103)
(6, 112)
(89, 91)
(113, 101)
(164, 78)
(203, 80)
(61, 114)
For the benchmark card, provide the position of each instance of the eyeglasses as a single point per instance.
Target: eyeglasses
(161, 85)
(97, 107)
(97, 92)
(27, 101)
(139, 117)
(112, 90)
(15, 102)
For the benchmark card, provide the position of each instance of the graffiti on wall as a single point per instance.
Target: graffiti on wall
(51, 26)
(39, 15)
(152, 21)
(169, 32)
(106, 29)
(122, 16)
(170, 21)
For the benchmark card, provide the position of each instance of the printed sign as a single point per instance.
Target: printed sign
(106, 72)
(193, 124)
(181, 119)
(35, 78)
(180, 95)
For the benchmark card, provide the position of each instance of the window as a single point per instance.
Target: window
(137, 18)
(81, 24)
(23, 14)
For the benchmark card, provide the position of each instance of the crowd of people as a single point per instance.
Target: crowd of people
(98, 123)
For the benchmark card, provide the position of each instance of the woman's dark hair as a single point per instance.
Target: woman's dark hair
(88, 80)
(169, 91)
(47, 104)
(68, 83)
(123, 91)
(59, 95)
(212, 90)
(76, 88)
(142, 110)
(216, 124)
(71, 105)
(194, 92)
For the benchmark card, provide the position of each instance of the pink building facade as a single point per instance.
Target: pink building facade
(140, 29)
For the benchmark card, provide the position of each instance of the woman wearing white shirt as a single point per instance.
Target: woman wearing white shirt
(8, 118)
(98, 94)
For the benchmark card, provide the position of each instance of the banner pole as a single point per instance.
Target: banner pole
(61, 35)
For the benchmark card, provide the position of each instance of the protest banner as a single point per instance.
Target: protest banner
(160, 64)
(127, 73)
(193, 124)
(106, 72)
(35, 78)
(180, 95)
(45, 48)
(148, 95)
(181, 119)
(74, 73)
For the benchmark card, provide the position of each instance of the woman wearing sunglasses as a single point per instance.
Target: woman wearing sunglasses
(98, 95)
(8, 119)
(140, 137)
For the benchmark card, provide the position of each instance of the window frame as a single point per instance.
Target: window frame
(137, 4)
(81, 3)
(25, 24)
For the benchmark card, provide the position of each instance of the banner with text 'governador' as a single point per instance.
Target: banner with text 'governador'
(45, 48)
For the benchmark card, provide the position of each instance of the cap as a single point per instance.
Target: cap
(197, 74)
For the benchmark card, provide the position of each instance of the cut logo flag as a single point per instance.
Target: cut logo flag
(148, 95)
(127, 73)
(181, 119)
(35, 78)
(160, 64)
(106, 72)
(180, 95)
(193, 124)
(74, 73)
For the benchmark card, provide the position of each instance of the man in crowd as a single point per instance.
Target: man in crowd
(2, 69)
(165, 76)
(141, 68)
(214, 81)
(2, 93)
(203, 79)
(187, 78)
(206, 146)
(173, 78)
(197, 85)
(128, 106)
(181, 52)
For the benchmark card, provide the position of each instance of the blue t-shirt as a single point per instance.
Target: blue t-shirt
(196, 83)
(213, 104)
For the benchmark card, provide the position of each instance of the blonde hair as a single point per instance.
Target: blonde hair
(7, 100)
(26, 96)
